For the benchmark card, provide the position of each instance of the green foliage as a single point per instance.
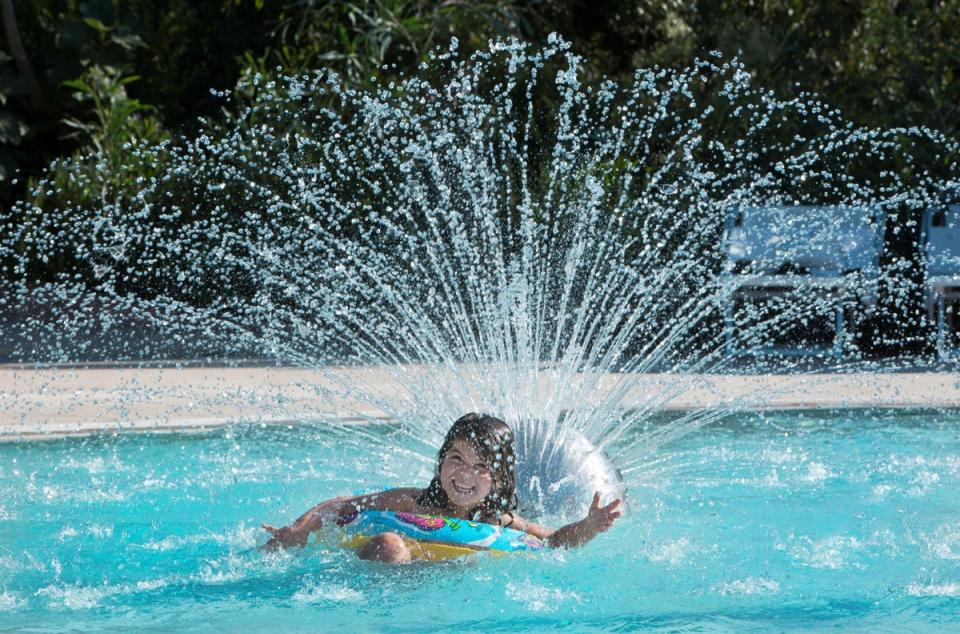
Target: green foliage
(111, 126)
(883, 63)
(121, 78)
(904, 59)
(367, 41)
(87, 47)
(116, 118)
(81, 52)
(361, 39)
(14, 129)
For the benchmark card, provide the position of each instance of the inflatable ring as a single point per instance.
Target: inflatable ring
(434, 537)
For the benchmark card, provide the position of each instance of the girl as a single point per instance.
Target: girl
(473, 480)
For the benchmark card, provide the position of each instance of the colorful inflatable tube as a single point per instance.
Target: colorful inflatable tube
(433, 537)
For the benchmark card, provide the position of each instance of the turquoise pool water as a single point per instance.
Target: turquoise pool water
(777, 521)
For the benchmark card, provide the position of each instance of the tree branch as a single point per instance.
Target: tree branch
(20, 56)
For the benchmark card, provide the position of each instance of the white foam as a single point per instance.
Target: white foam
(836, 552)
(772, 479)
(334, 593)
(241, 537)
(537, 598)
(951, 589)
(778, 456)
(23, 561)
(672, 552)
(831, 553)
(99, 530)
(67, 532)
(91, 530)
(817, 472)
(173, 542)
(83, 494)
(151, 584)
(749, 585)
(150, 483)
(77, 597)
(923, 482)
(10, 601)
(85, 597)
(944, 542)
(95, 465)
(8, 563)
(211, 576)
(224, 570)
(949, 462)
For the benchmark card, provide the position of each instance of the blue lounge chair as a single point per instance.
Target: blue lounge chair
(940, 250)
(826, 256)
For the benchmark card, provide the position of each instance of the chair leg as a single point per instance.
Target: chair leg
(728, 326)
(841, 333)
(940, 304)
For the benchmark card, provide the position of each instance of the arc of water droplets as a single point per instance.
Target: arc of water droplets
(486, 252)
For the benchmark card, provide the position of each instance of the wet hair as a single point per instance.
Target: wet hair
(493, 441)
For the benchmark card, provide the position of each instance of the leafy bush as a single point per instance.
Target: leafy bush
(118, 77)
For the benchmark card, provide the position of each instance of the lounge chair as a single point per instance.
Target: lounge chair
(940, 250)
(817, 267)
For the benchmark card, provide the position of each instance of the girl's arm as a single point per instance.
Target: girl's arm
(397, 500)
(598, 520)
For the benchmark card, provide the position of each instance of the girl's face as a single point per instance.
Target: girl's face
(465, 477)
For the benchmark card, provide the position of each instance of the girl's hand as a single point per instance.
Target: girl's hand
(284, 537)
(297, 533)
(600, 518)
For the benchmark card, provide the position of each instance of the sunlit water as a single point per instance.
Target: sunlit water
(781, 521)
(532, 245)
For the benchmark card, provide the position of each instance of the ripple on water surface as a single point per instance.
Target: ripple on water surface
(711, 539)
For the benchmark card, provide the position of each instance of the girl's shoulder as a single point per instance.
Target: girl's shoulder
(396, 500)
(414, 491)
(395, 494)
(404, 493)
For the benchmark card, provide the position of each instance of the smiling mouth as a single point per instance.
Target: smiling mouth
(462, 490)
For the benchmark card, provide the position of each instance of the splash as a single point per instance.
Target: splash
(492, 234)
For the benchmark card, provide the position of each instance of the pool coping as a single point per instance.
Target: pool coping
(52, 402)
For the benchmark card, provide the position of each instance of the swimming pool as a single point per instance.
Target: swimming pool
(770, 521)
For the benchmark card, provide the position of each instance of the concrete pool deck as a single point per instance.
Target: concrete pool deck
(52, 402)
